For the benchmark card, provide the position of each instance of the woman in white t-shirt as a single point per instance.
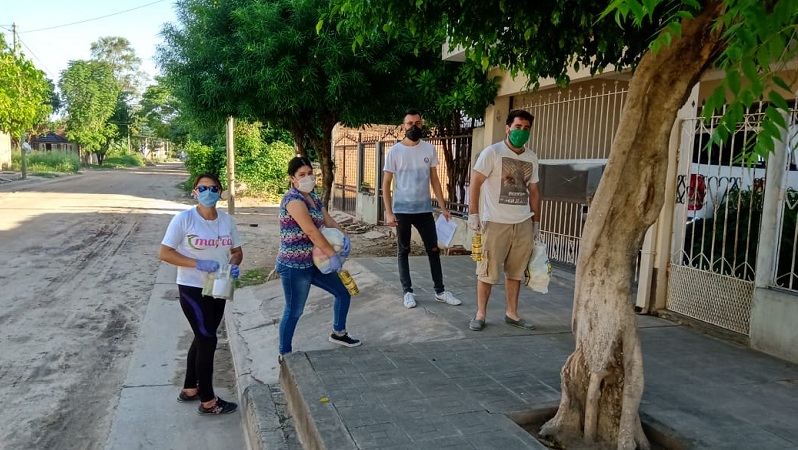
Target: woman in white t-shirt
(198, 241)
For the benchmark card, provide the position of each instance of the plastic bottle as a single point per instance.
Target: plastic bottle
(348, 281)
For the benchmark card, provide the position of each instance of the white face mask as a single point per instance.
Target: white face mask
(306, 184)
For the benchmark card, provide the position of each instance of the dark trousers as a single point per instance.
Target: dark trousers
(425, 224)
(204, 314)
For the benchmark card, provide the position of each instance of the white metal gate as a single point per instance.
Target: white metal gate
(577, 123)
(716, 226)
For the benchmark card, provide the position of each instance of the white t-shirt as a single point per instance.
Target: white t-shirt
(411, 183)
(504, 196)
(197, 238)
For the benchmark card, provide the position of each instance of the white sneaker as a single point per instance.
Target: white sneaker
(448, 298)
(410, 300)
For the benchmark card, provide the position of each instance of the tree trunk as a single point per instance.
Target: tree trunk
(602, 380)
(324, 149)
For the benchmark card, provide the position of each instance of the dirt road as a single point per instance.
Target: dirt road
(77, 262)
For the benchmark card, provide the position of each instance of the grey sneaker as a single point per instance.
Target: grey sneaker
(410, 300)
(448, 298)
(476, 324)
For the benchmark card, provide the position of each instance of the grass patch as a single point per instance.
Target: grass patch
(44, 174)
(117, 162)
(252, 277)
(47, 162)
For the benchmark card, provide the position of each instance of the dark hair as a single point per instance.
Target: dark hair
(296, 163)
(412, 112)
(520, 113)
(212, 176)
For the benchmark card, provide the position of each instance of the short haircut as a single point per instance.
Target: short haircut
(298, 162)
(520, 113)
(412, 112)
(212, 176)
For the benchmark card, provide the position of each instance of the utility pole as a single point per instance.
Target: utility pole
(23, 157)
(231, 164)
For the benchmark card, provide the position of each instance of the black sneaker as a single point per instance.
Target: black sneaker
(221, 407)
(345, 340)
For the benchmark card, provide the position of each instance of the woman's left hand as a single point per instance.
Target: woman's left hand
(234, 271)
(346, 248)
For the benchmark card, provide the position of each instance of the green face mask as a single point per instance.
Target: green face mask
(518, 137)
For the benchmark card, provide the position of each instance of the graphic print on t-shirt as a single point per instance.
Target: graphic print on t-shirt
(516, 175)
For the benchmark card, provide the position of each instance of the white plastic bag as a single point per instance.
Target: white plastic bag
(336, 238)
(538, 272)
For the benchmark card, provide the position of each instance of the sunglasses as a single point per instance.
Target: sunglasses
(214, 189)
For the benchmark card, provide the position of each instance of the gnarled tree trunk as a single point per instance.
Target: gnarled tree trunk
(602, 380)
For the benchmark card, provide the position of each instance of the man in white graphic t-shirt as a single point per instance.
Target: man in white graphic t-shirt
(504, 205)
(411, 165)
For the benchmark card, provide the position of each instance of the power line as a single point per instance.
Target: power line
(95, 18)
(49, 72)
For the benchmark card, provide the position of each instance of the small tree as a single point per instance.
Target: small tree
(90, 93)
(24, 93)
(669, 45)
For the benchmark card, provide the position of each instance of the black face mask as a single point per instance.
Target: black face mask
(414, 134)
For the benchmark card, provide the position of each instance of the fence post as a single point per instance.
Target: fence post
(379, 149)
(770, 227)
(361, 157)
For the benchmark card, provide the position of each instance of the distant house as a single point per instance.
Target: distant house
(52, 140)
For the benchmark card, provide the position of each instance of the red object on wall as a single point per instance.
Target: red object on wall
(696, 192)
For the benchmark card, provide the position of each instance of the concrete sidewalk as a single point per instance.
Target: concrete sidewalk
(422, 379)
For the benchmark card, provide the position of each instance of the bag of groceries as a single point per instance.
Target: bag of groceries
(538, 271)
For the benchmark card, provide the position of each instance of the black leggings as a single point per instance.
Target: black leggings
(204, 314)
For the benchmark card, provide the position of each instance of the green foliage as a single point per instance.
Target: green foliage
(90, 93)
(132, 160)
(261, 161)
(25, 93)
(273, 62)
(52, 161)
(202, 158)
(121, 56)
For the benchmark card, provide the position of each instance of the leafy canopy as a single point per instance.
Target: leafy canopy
(25, 93)
(552, 36)
(90, 93)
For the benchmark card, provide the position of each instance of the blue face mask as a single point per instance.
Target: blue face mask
(208, 198)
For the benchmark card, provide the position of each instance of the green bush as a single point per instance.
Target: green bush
(132, 160)
(51, 161)
(260, 165)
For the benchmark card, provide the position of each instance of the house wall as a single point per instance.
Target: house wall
(773, 319)
(5, 151)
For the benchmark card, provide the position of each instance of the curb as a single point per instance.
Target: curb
(317, 422)
(261, 420)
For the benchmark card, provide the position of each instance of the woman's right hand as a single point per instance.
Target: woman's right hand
(207, 265)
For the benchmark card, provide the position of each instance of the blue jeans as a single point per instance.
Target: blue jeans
(296, 286)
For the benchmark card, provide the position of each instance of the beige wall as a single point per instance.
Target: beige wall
(5, 150)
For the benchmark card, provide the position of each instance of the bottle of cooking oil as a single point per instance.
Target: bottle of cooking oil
(476, 247)
(349, 282)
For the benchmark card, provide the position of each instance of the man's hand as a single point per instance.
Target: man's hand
(446, 214)
(473, 222)
(235, 271)
(536, 231)
(390, 219)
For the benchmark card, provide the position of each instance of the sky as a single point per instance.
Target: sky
(50, 50)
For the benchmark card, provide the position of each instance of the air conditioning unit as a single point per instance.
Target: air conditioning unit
(570, 181)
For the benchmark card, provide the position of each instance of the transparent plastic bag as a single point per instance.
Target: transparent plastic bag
(220, 284)
(538, 272)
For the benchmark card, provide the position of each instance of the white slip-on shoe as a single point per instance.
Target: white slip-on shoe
(448, 298)
(410, 300)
